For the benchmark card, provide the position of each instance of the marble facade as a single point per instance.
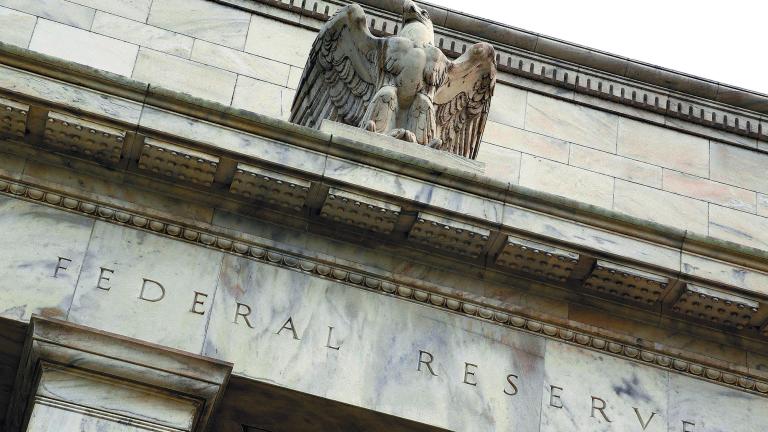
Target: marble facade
(198, 263)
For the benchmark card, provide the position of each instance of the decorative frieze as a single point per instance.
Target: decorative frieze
(13, 118)
(178, 162)
(360, 211)
(85, 138)
(716, 306)
(538, 259)
(657, 355)
(449, 235)
(626, 283)
(269, 186)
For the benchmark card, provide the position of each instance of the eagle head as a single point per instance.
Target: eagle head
(417, 26)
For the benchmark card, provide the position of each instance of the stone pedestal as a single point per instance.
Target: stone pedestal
(73, 378)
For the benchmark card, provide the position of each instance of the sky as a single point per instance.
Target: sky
(723, 41)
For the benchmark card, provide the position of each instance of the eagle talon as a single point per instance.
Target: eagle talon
(435, 143)
(403, 134)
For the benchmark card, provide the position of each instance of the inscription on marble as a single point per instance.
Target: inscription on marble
(634, 404)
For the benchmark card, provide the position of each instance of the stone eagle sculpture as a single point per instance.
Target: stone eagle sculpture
(402, 86)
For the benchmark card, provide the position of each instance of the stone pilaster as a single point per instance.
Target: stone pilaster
(79, 379)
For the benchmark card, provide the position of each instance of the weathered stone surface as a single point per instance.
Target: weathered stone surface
(398, 331)
(626, 283)
(71, 96)
(526, 142)
(707, 190)
(364, 212)
(242, 63)
(663, 147)
(739, 167)
(32, 280)
(178, 162)
(449, 235)
(136, 10)
(61, 11)
(622, 388)
(538, 259)
(707, 407)
(661, 207)
(762, 204)
(135, 272)
(716, 306)
(500, 163)
(13, 118)
(411, 189)
(571, 122)
(615, 166)
(294, 76)
(80, 46)
(729, 274)
(571, 182)
(143, 35)
(739, 227)
(258, 96)
(203, 20)
(234, 141)
(184, 76)
(278, 41)
(562, 230)
(16, 27)
(85, 138)
(418, 154)
(271, 187)
(508, 106)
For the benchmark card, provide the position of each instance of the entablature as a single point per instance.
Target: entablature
(407, 199)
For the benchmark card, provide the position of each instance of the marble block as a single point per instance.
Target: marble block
(86, 48)
(408, 188)
(16, 27)
(177, 74)
(590, 391)
(43, 249)
(142, 34)
(418, 153)
(571, 122)
(61, 11)
(202, 19)
(709, 407)
(136, 276)
(371, 356)
(136, 10)
(70, 96)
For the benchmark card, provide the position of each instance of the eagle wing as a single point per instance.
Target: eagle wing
(463, 99)
(341, 72)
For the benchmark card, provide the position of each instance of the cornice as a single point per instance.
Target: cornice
(249, 247)
(561, 64)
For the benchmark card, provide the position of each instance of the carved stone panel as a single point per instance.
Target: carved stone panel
(86, 138)
(269, 186)
(360, 211)
(13, 118)
(450, 235)
(538, 259)
(179, 162)
(716, 306)
(626, 283)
